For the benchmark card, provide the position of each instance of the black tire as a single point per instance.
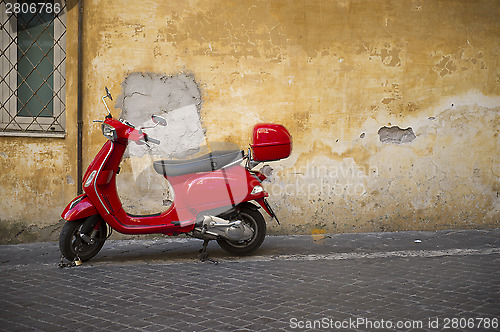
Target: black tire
(255, 220)
(70, 240)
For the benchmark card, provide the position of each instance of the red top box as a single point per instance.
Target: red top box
(270, 142)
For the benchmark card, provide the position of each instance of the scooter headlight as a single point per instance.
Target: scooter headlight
(108, 131)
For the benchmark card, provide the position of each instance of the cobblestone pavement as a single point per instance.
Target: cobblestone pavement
(391, 281)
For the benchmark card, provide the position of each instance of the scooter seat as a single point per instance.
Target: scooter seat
(207, 163)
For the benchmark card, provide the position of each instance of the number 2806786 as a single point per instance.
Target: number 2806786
(32, 7)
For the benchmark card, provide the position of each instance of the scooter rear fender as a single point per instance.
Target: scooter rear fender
(80, 207)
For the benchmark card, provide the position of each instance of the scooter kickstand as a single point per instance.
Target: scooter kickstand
(204, 253)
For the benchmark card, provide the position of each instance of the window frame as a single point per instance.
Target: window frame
(12, 124)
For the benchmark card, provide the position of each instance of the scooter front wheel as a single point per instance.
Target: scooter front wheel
(256, 222)
(71, 242)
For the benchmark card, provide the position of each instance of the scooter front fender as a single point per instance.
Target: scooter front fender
(79, 208)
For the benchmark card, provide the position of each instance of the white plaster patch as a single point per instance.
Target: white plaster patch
(177, 98)
(176, 140)
(181, 137)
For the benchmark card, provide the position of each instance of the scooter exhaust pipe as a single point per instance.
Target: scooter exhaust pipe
(217, 227)
(219, 222)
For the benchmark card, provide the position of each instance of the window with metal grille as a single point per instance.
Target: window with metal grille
(32, 65)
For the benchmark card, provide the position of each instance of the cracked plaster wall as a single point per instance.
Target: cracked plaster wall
(334, 73)
(395, 135)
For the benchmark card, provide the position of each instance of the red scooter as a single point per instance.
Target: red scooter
(213, 194)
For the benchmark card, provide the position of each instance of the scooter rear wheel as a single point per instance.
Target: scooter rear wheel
(254, 220)
(70, 241)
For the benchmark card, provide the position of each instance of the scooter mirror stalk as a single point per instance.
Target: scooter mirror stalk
(108, 94)
(157, 120)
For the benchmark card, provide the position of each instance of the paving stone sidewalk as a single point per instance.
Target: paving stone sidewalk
(372, 281)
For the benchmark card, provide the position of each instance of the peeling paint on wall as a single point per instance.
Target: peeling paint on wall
(420, 185)
(396, 135)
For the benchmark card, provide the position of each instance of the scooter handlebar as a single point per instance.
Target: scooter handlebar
(152, 140)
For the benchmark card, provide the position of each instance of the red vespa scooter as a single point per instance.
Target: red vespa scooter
(212, 194)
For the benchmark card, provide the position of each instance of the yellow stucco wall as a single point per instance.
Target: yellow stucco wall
(38, 175)
(334, 73)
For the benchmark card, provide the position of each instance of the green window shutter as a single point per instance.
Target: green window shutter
(35, 54)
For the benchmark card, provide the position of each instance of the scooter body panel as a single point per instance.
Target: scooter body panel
(194, 194)
(99, 182)
(210, 190)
